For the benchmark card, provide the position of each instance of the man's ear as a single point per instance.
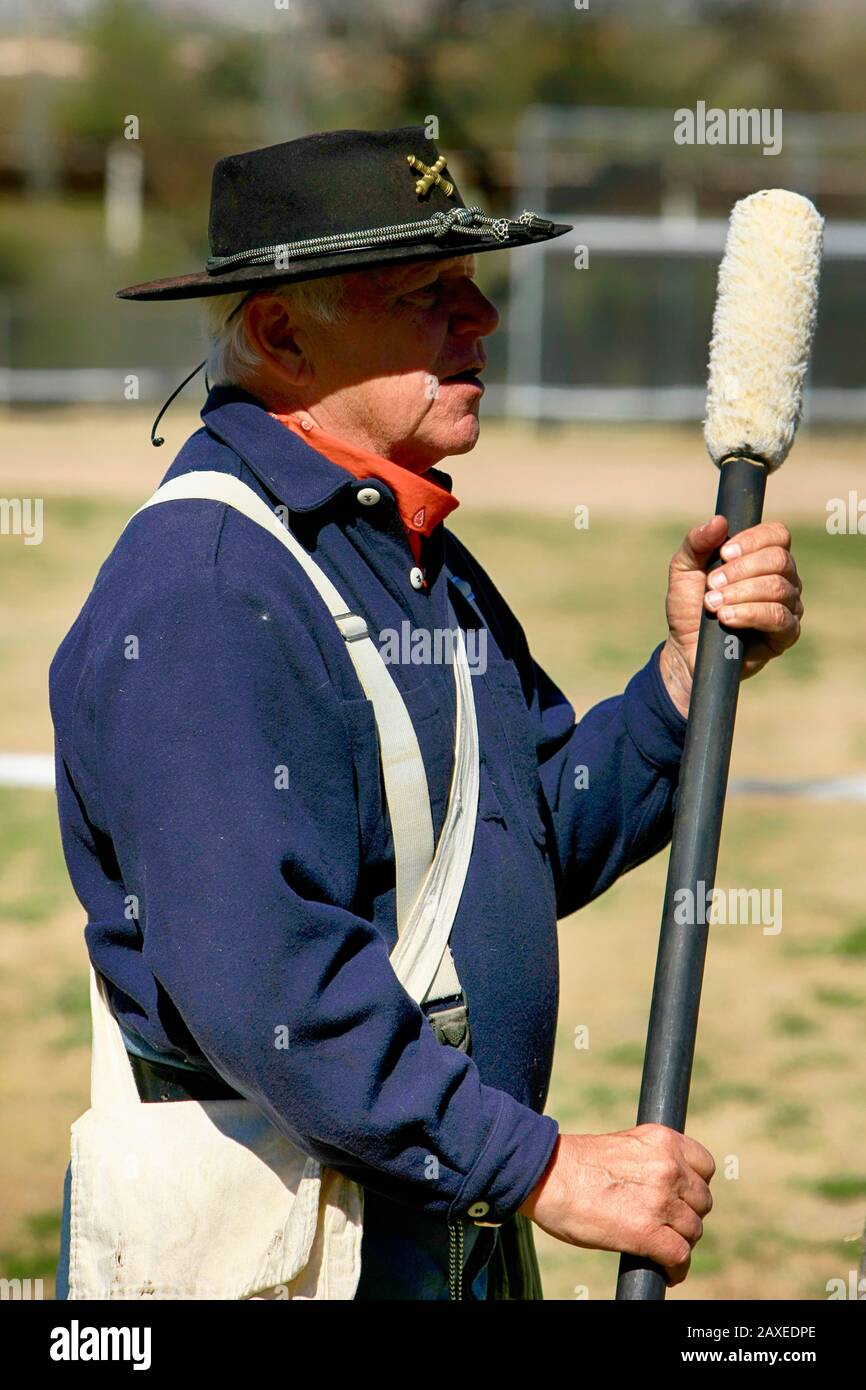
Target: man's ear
(274, 335)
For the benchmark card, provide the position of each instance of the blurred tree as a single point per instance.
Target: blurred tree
(135, 70)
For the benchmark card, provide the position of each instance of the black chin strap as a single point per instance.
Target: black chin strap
(156, 439)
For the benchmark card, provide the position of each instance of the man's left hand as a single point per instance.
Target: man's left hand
(757, 588)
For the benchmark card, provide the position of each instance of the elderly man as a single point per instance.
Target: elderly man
(218, 762)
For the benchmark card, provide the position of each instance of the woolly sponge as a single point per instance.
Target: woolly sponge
(762, 326)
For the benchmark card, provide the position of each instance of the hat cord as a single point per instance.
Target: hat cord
(471, 221)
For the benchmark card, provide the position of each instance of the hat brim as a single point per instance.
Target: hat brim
(201, 284)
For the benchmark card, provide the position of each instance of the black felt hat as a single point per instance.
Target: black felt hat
(334, 202)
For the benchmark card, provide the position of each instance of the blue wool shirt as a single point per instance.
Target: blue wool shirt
(224, 826)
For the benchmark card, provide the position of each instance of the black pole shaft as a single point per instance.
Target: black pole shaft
(694, 853)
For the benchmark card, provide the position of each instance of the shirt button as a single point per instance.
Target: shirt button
(369, 496)
(479, 1209)
(416, 578)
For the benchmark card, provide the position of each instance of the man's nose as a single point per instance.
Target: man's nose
(474, 312)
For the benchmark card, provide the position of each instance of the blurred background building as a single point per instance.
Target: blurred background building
(547, 105)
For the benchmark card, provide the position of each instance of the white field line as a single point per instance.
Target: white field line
(26, 770)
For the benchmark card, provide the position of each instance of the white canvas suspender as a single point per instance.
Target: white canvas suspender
(424, 937)
(429, 887)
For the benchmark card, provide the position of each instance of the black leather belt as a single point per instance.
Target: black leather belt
(156, 1081)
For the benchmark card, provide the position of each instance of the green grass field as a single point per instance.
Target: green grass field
(781, 1064)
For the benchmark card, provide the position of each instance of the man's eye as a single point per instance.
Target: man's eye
(425, 294)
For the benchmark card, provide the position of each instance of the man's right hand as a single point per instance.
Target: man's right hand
(641, 1191)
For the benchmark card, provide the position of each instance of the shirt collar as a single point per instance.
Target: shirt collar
(423, 500)
(299, 475)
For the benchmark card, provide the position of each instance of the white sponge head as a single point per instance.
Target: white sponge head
(763, 326)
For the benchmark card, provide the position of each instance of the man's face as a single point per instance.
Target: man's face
(399, 376)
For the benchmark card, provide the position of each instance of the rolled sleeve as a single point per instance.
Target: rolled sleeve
(510, 1164)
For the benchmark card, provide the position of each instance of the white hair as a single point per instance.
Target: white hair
(232, 359)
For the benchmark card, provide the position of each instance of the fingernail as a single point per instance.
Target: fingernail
(726, 614)
(730, 551)
(718, 579)
(715, 600)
